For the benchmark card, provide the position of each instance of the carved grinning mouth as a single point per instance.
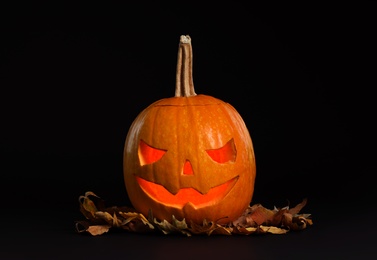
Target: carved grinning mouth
(186, 195)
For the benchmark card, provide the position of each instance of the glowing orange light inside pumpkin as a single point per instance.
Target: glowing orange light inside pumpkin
(227, 153)
(148, 154)
(187, 168)
(185, 195)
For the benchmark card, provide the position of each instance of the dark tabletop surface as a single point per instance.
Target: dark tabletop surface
(73, 78)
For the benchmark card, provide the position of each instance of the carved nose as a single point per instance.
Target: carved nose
(187, 168)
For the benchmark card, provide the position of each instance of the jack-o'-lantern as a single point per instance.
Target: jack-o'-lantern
(190, 155)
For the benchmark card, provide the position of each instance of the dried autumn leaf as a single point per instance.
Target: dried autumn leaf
(96, 230)
(245, 220)
(87, 207)
(256, 219)
(167, 228)
(86, 227)
(104, 216)
(221, 230)
(277, 218)
(82, 226)
(139, 227)
(260, 230)
(251, 230)
(297, 223)
(115, 209)
(132, 216)
(261, 215)
(180, 224)
(175, 227)
(209, 228)
(112, 220)
(295, 210)
(273, 230)
(245, 230)
(205, 228)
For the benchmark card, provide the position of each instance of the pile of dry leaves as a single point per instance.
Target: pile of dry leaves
(255, 220)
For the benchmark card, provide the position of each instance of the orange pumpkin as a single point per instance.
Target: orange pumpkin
(190, 156)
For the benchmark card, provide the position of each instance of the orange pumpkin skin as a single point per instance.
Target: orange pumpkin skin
(189, 156)
(186, 129)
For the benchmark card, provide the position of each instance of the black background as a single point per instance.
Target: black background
(73, 78)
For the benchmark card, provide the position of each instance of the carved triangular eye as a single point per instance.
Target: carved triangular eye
(224, 154)
(149, 154)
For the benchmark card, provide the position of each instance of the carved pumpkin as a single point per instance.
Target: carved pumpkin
(190, 156)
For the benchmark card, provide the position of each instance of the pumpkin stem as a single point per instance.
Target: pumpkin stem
(184, 86)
